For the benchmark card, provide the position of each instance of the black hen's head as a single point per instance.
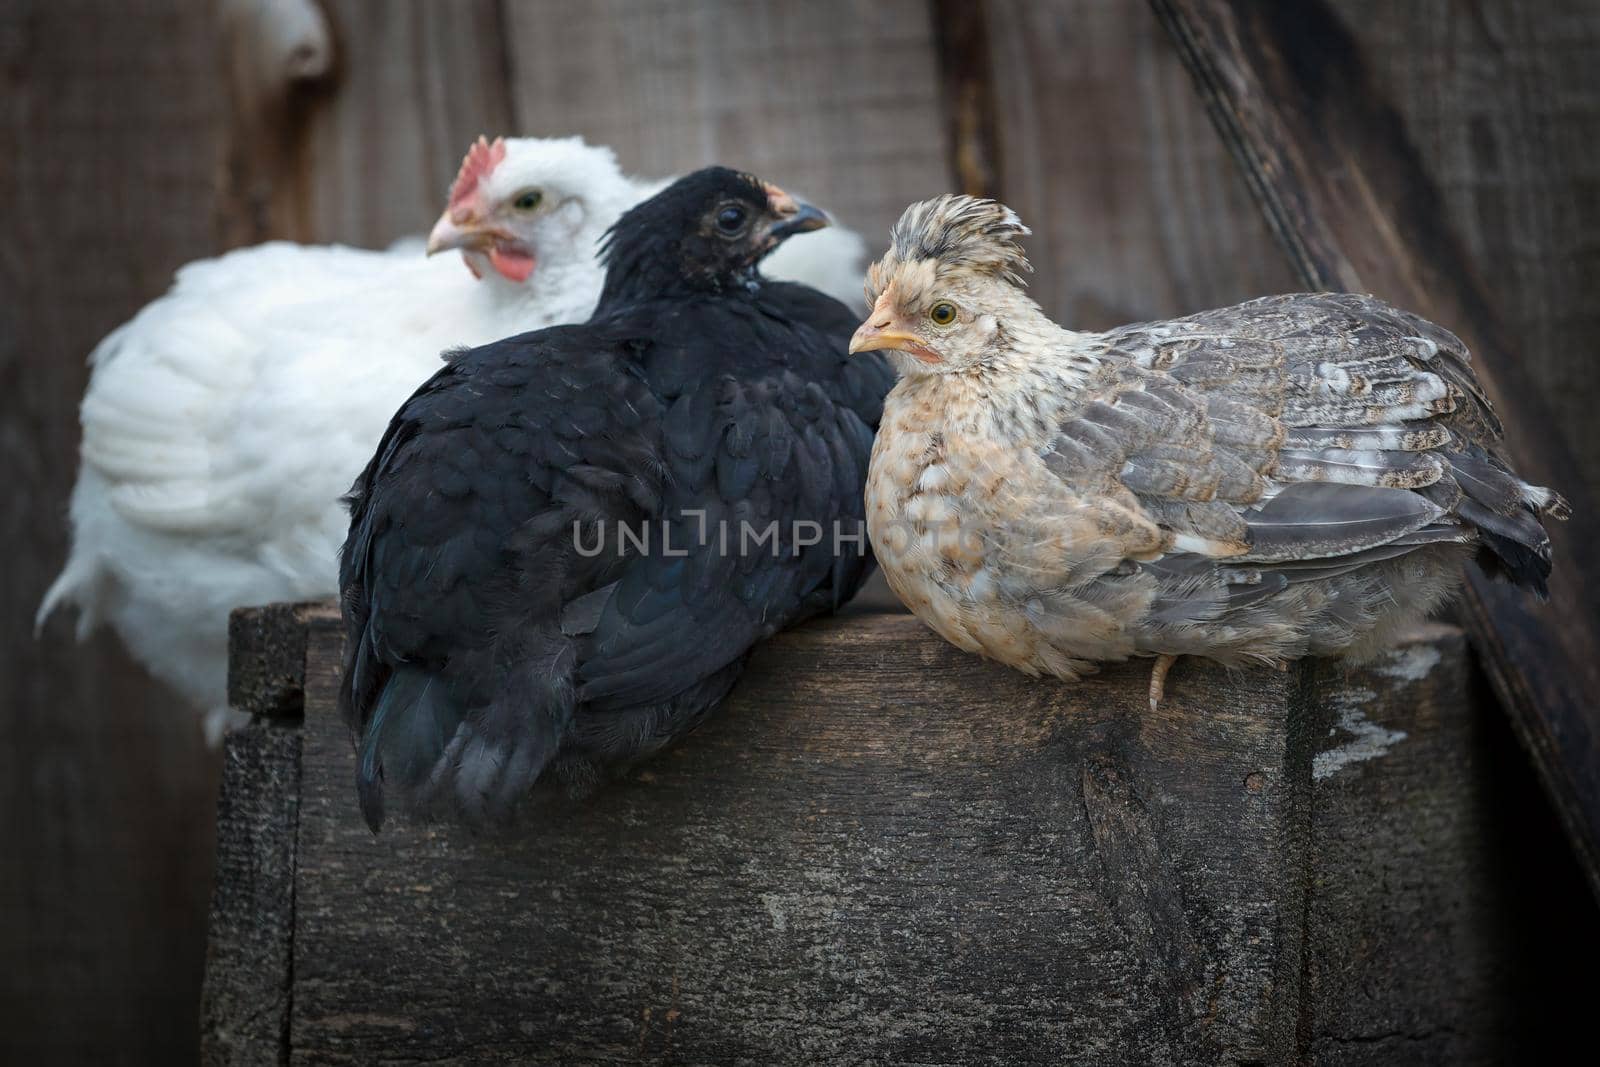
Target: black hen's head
(703, 233)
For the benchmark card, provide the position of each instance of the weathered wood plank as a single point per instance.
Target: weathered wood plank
(966, 76)
(1419, 844)
(838, 99)
(1502, 100)
(1405, 956)
(880, 849)
(244, 1014)
(1443, 909)
(280, 62)
(1343, 188)
(111, 115)
(418, 82)
(1136, 209)
(267, 659)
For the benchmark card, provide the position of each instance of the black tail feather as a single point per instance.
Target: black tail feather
(411, 723)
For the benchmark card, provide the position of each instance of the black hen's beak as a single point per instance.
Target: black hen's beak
(805, 219)
(794, 216)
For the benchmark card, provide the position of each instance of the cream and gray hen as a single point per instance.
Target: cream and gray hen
(1296, 475)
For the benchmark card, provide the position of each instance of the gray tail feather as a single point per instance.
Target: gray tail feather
(411, 723)
(1498, 503)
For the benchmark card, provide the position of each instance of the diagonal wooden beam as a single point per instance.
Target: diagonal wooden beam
(1329, 159)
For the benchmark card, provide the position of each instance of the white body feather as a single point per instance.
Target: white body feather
(224, 422)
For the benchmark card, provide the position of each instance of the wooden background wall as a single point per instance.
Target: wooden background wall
(143, 133)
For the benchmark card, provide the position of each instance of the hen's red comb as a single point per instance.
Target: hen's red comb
(480, 161)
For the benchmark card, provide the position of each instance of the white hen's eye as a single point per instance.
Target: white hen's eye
(942, 314)
(528, 201)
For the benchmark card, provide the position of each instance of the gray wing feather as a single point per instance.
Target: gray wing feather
(1315, 520)
(1364, 431)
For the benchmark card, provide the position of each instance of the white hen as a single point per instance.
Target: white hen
(223, 423)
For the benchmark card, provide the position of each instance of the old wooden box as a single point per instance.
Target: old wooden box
(883, 850)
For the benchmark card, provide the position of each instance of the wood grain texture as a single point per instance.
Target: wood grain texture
(112, 123)
(834, 871)
(880, 850)
(417, 83)
(267, 660)
(244, 1017)
(1429, 840)
(1344, 189)
(1406, 957)
(837, 99)
(1137, 211)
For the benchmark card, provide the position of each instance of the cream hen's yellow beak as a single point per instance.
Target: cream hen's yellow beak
(872, 337)
(884, 329)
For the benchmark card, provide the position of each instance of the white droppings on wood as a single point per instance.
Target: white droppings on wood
(1410, 664)
(774, 905)
(1368, 740)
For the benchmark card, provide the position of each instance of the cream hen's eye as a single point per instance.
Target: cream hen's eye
(942, 314)
(528, 201)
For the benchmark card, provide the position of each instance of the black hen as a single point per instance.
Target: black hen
(489, 642)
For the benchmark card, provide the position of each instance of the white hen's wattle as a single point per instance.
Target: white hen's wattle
(223, 423)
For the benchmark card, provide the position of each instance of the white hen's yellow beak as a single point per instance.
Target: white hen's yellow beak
(461, 230)
(466, 229)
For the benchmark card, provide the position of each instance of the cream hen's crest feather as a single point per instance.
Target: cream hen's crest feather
(223, 423)
(955, 233)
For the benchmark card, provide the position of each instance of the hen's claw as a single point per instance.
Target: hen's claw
(1158, 679)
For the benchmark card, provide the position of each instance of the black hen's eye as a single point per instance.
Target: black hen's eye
(943, 313)
(528, 201)
(731, 219)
